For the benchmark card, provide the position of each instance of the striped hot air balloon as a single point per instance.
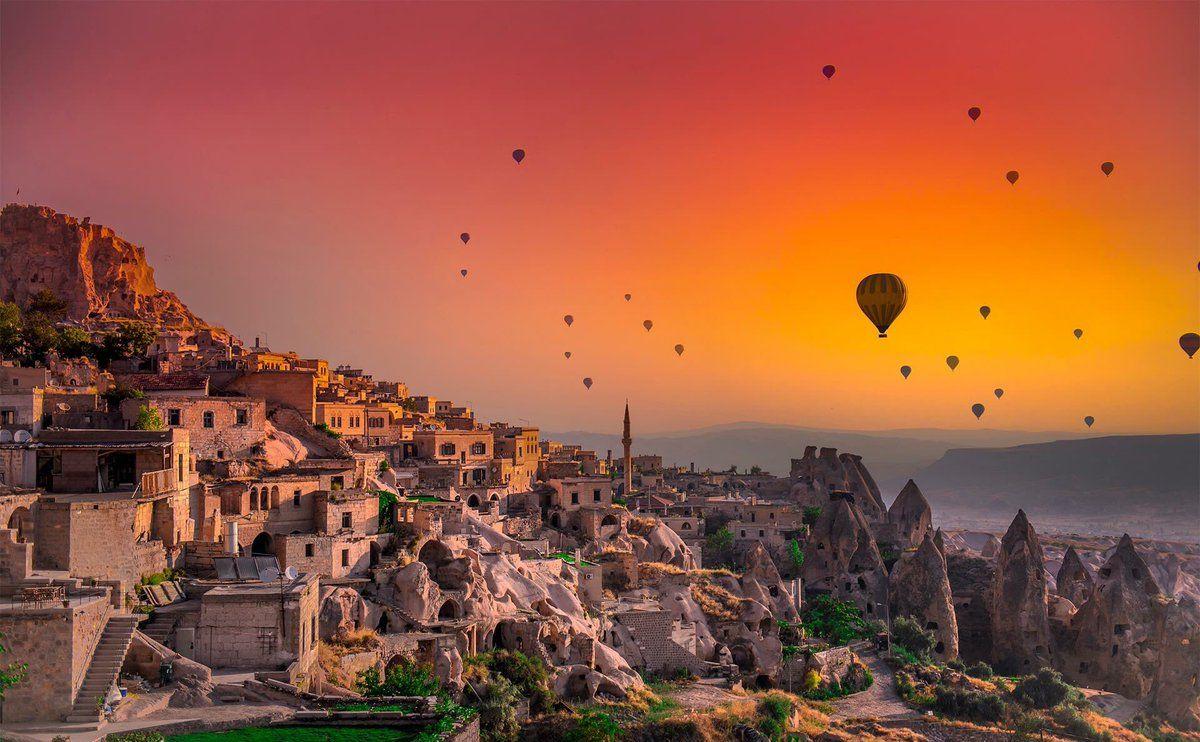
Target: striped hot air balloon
(882, 296)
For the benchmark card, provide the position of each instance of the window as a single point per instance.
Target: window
(574, 498)
(347, 520)
(447, 449)
(479, 448)
(181, 468)
(761, 533)
(308, 550)
(295, 498)
(173, 417)
(243, 417)
(337, 483)
(345, 557)
(8, 417)
(209, 419)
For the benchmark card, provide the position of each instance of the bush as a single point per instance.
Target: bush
(968, 704)
(1073, 723)
(498, 710)
(593, 726)
(905, 657)
(981, 670)
(1044, 690)
(528, 674)
(405, 679)
(837, 621)
(148, 419)
(907, 633)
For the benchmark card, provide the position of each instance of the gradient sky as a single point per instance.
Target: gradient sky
(302, 172)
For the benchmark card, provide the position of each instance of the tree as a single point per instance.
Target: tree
(810, 515)
(907, 633)
(130, 340)
(837, 621)
(10, 330)
(47, 304)
(11, 674)
(720, 540)
(148, 419)
(1044, 690)
(74, 343)
(796, 554)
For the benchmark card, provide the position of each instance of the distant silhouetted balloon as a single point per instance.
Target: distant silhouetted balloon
(679, 350)
(628, 297)
(828, 71)
(978, 410)
(1012, 176)
(952, 362)
(1089, 420)
(974, 112)
(1078, 333)
(568, 319)
(882, 297)
(567, 353)
(985, 311)
(1106, 168)
(518, 155)
(905, 371)
(1190, 342)
(587, 382)
(999, 393)
(465, 237)
(463, 272)
(647, 324)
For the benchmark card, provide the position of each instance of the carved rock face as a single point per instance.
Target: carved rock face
(911, 515)
(1020, 629)
(1074, 582)
(1177, 691)
(921, 589)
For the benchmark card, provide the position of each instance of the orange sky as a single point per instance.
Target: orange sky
(302, 172)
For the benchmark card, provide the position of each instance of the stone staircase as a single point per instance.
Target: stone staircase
(160, 627)
(103, 670)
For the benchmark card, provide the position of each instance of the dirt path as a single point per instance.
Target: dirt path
(702, 696)
(880, 701)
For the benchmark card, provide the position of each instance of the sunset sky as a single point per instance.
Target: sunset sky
(301, 172)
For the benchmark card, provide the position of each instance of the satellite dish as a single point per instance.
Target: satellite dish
(291, 573)
(63, 407)
(270, 574)
(22, 436)
(6, 436)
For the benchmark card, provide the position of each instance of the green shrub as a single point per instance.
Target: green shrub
(1043, 690)
(778, 708)
(968, 704)
(981, 670)
(528, 674)
(593, 725)
(838, 621)
(498, 710)
(1073, 723)
(907, 633)
(405, 679)
(905, 657)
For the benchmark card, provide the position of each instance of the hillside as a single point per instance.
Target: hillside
(893, 456)
(100, 276)
(1127, 476)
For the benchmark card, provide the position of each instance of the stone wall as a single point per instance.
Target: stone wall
(16, 560)
(331, 509)
(296, 389)
(101, 539)
(225, 439)
(57, 645)
(323, 554)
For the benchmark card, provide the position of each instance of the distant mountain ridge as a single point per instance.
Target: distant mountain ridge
(1141, 474)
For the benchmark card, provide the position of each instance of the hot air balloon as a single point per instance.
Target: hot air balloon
(985, 311)
(647, 324)
(567, 353)
(999, 393)
(1012, 176)
(679, 350)
(518, 155)
(1190, 342)
(828, 71)
(465, 237)
(1106, 168)
(463, 272)
(628, 297)
(905, 371)
(978, 410)
(974, 112)
(568, 319)
(882, 296)
(587, 382)
(952, 362)
(1089, 420)
(1078, 333)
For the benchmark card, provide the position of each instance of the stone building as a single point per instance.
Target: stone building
(219, 427)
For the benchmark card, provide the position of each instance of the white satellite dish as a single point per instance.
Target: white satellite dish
(6, 436)
(290, 573)
(63, 407)
(270, 574)
(22, 436)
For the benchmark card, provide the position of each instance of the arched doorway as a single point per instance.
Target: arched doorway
(375, 552)
(610, 520)
(435, 555)
(449, 611)
(263, 544)
(384, 624)
(20, 522)
(473, 501)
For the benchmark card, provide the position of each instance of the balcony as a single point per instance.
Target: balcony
(158, 482)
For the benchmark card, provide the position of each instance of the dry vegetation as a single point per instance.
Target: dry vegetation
(714, 600)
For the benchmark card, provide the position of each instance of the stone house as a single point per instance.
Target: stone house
(220, 427)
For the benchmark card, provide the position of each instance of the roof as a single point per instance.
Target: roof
(173, 382)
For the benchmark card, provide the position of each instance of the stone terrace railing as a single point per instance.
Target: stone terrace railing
(158, 482)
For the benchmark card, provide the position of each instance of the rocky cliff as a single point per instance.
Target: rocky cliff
(100, 276)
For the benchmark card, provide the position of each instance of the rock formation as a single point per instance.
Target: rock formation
(99, 275)
(840, 556)
(971, 579)
(920, 589)
(911, 515)
(1176, 694)
(1117, 630)
(1020, 629)
(1074, 582)
(816, 475)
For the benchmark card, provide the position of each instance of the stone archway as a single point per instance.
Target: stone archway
(610, 520)
(450, 610)
(473, 501)
(263, 544)
(21, 522)
(435, 555)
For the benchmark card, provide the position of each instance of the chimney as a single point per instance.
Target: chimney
(231, 537)
(256, 341)
(692, 467)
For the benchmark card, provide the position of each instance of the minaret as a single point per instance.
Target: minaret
(627, 441)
